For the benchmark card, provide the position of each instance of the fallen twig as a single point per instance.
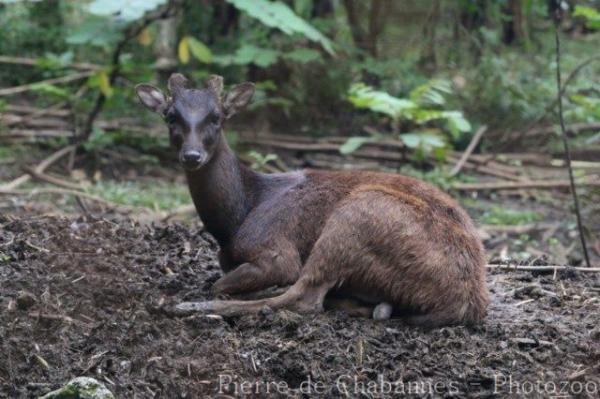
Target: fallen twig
(549, 268)
(52, 179)
(35, 62)
(64, 79)
(539, 184)
(24, 109)
(470, 148)
(40, 168)
(574, 128)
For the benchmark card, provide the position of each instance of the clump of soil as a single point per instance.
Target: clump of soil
(83, 298)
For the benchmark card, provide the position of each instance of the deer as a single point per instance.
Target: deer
(388, 244)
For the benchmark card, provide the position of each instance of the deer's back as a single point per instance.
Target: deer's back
(296, 206)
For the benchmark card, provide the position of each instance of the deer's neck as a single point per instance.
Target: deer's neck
(223, 191)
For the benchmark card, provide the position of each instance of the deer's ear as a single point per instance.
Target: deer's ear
(151, 97)
(215, 84)
(238, 98)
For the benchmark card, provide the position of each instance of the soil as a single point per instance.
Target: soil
(81, 297)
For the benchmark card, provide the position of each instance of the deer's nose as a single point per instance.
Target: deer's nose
(192, 156)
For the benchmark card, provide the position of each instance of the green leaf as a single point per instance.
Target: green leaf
(199, 50)
(456, 122)
(249, 54)
(353, 144)
(363, 96)
(46, 88)
(303, 55)
(124, 10)
(424, 141)
(104, 84)
(101, 81)
(278, 15)
(95, 31)
(431, 93)
(591, 15)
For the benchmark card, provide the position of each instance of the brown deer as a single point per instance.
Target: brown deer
(382, 239)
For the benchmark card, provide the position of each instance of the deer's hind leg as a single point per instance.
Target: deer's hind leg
(336, 255)
(302, 297)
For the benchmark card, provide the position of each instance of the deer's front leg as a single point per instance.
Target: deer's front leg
(273, 267)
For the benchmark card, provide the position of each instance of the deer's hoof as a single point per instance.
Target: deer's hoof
(383, 311)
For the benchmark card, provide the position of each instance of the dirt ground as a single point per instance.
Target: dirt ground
(83, 297)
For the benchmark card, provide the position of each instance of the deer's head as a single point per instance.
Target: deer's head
(195, 116)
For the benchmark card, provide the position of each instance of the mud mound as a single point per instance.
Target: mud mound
(81, 297)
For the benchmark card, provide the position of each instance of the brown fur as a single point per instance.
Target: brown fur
(373, 236)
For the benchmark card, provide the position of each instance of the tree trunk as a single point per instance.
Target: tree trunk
(366, 39)
(165, 48)
(515, 29)
(428, 59)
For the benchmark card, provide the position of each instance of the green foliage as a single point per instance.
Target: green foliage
(123, 10)
(264, 57)
(51, 90)
(276, 14)
(591, 15)
(261, 160)
(106, 19)
(353, 144)
(249, 54)
(363, 96)
(147, 144)
(437, 176)
(505, 216)
(95, 31)
(419, 109)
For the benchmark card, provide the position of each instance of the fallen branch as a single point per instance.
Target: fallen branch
(539, 184)
(491, 170)
(52, 180)
(36, 121)
(33, 134)
(548, 268)
(24, 109)
(574, 128)
(470, 148)
(64, 79)
(35, 62)
(40, 168)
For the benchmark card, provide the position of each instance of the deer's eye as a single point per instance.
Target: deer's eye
(214, 119)
(170, 119)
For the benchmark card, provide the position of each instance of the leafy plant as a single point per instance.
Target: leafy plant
(123, 10)
(107, 18)
(591, 15)
(199, 50)
(276, 14)
(261, 160)
(422, 107)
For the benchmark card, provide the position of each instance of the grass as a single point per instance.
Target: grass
(157, 195)
(508, 217)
